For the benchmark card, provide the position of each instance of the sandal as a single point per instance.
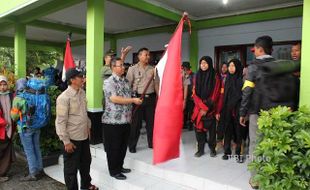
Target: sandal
(93, 187)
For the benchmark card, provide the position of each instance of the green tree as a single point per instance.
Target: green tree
(34, 58)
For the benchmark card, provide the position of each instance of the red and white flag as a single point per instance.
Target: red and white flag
(169, 109)
(68, 60)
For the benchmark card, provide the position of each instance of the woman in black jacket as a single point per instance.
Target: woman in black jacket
(229, 118)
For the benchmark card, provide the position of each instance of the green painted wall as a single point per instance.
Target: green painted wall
(113, 44)
(251, 17)
(193, 50)
(94, 53)
(149, 8)
(305, 57)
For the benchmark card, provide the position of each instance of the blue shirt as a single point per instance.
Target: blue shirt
(116, 113)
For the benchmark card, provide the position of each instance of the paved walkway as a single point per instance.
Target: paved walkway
(19, 168)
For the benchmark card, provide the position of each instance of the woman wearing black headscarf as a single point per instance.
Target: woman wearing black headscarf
(229, 122)
(206, 92)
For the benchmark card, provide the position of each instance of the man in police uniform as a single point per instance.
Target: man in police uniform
(138, 76)
(106, 71)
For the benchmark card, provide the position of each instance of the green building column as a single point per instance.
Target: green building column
(94, 61)
(94, 53)
(305, 57)
(20, 50)
(193, 49)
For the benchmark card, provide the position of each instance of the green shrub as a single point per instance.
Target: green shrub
(49, 140)
(284, 145)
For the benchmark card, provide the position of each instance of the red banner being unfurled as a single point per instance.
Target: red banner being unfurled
(168, 122)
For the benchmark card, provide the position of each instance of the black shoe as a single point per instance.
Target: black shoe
(40, 174)
(151, 146)
(213, 153)
(199, 153)
(125, 170)
(132, 150)
(119, 176)
(240, 159)
(225, 157)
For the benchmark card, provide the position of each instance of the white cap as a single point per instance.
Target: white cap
(3, 78)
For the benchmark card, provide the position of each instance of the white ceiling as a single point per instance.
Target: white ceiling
(200, 9)
(117, 18)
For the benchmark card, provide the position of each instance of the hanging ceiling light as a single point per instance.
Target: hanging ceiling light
(225, 2)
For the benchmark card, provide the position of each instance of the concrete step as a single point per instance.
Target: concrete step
(164, 172)
(186, 172)
(135, 180)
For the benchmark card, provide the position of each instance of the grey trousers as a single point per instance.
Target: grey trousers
(253, 136)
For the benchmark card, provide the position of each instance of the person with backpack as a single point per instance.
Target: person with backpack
(73, 129)
(7, 155)
(269, 83)
(206, 93)
(31, 111)
(249, 105)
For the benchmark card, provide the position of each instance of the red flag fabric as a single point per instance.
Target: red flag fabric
(168, 121)
(68, 60)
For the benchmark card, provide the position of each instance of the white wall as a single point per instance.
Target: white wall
(79, 52)
(279, 30)
(153, 42)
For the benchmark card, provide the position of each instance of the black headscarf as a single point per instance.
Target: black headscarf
(232, 96)
(222, 67)
(205, 80)
(233, 85)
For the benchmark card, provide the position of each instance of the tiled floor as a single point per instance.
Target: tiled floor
(184, 173)
(227, 174)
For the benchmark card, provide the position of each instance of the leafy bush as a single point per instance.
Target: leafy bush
(284, 145)
(49, 140)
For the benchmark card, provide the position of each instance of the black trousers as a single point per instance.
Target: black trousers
(80, 160)
(115, 143)
(188, 111)
(233, 131)
(146, 111)
(210, 125)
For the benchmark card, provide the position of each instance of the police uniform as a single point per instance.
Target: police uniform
(138, 77)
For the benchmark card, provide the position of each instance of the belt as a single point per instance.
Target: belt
(147, 95)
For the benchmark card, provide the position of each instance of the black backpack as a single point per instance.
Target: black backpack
(276, 84)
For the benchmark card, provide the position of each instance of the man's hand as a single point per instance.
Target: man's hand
(202, 112)
(70, 147)
(125, 51)
(242, 121)
(217, 117)
(137, 101)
